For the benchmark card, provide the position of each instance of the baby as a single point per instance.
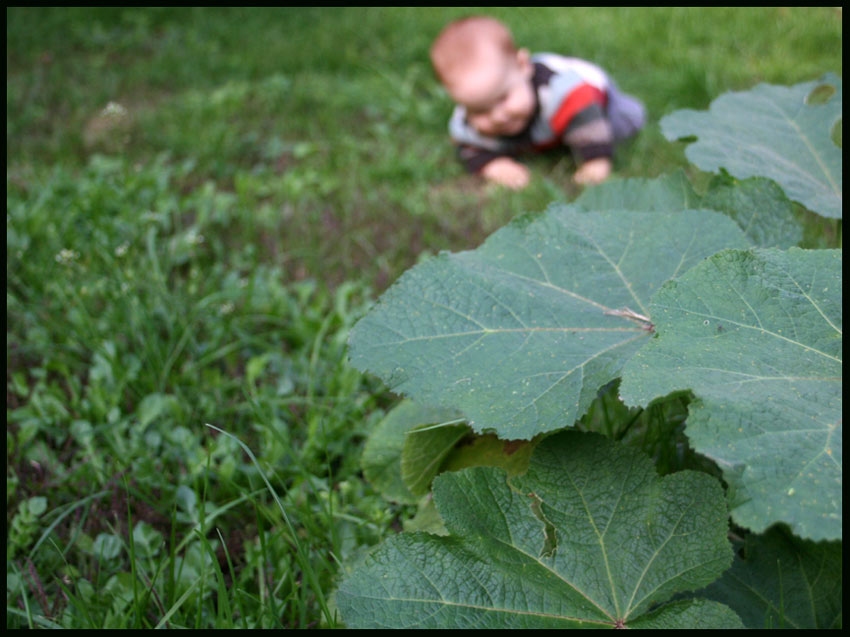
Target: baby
(509, 103)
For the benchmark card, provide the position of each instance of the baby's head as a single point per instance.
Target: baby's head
(476, 60)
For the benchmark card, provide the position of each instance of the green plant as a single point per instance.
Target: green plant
(25, 524)
(135, 315)
(705, 328)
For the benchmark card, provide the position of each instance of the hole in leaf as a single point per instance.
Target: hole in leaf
(820, 94)
(550, 537)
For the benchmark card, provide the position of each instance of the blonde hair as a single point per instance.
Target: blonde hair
(460, 41)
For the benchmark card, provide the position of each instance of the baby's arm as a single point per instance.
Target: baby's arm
(592, 140)
(587, 131)
(593, 171)
(493, 166)
(507, 172)
(488, 157)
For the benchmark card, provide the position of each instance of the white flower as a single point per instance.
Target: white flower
(121, 250)
(113, 109)
(67, 256)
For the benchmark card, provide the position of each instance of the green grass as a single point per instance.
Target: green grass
(198, 255)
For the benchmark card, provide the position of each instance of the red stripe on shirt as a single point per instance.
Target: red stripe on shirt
(579, 99)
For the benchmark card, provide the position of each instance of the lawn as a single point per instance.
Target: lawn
(200, 205)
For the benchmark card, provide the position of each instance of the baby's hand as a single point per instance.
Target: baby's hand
(507, 172)
(593, 171)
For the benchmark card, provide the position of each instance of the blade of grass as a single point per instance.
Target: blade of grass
(261, 580)
(213, 515)
(172, 552)
(300, 555)
(177, 605)
(28, 613)
(81, 607)
(132, 550)
(225, 613)
(203, 532)
(237, 594)
(72, 507)
(38, 619)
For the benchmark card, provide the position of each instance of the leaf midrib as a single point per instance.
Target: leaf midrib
(745, 326)
(493, 609)
(508, 330)
(824, 170)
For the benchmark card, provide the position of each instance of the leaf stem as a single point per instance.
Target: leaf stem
(640, 319)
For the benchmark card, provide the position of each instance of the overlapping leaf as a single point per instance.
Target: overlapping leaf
(590, 536)
(425, 449)
(756, 335)
(770, 131)
(757, 205)
(488, 450)
(382, 455)
(779, 581)
(667, 193)
(519, 334)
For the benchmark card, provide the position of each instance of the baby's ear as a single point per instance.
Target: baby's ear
(523, 58)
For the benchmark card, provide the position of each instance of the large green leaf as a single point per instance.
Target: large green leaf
(756, 335)
(666, 193)
(488, 450)
(770, 131)
(382, 454)
(757, 205)
(779, 581)
(590, 536)
(425, 450)
(519, 334)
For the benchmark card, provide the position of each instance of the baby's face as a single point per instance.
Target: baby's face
(497, 92)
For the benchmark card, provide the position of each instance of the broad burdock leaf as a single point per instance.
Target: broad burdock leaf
(590, 536)
(488, 450)
(698, 613)
(667, 193)
(779, 581)
(770, 131)
(756, 335)
(382, 454)
(519, 334)
(426, 519)
(425, 449)
(757, 205)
